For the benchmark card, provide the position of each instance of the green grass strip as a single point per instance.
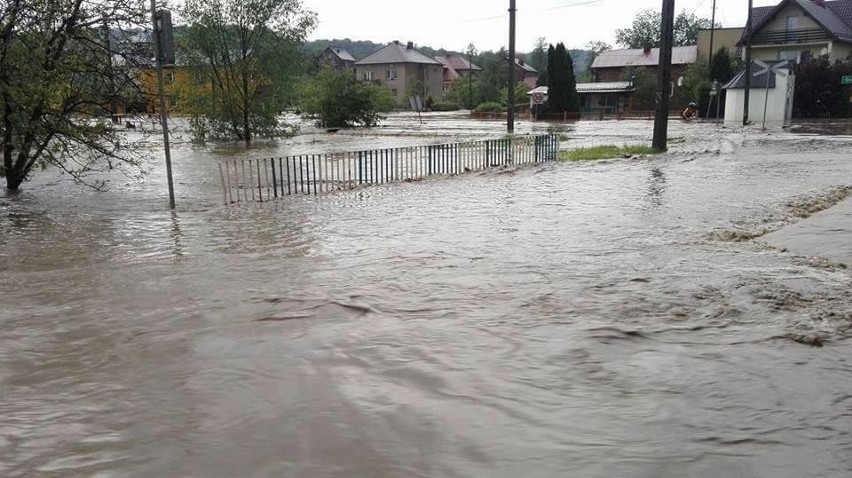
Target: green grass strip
(604, 152)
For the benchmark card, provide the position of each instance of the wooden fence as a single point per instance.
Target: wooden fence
(318, 174)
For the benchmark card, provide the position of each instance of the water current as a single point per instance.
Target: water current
(656, 317)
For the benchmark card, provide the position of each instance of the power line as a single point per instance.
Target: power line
(500, 17)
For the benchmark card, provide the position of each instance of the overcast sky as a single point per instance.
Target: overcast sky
(453, 24)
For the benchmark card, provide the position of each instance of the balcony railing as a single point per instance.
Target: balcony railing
(791, 36)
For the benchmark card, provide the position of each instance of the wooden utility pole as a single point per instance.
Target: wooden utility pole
(747, 78)
(664, 78)
(712, 34)
(510, 110)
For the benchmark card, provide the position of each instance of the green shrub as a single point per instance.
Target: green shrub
(340, 100)
(490, 107)
(445, 106)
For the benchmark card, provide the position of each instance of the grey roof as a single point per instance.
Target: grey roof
(602, 87)
(527, 68)
(759, 81)
(605, 87)
(835, 16)
(397, 53)
(681, 55)
(341, 53)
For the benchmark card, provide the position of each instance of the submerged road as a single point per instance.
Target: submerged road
(631, 318)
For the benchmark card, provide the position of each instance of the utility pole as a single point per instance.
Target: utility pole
(156, 19)
(470, 51)
(747, 65)
(712, 33)
(664, 78)
(510, 110)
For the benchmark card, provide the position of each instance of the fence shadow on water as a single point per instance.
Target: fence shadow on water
(318, 174)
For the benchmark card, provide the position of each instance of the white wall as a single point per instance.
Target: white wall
(779, 103)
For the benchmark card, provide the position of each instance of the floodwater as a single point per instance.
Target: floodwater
(635, 318)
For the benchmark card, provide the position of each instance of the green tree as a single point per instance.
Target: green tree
(818, 92)
(494, 75)
(645, 30)
(247, 51)
(538, 57)
(521, 90)
(562, 84)
(722, 66)
(338, 99)
(57, 75)
(645, 85)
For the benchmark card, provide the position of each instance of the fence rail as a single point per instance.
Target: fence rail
(318, 174)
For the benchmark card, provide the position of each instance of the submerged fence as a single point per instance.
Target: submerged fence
(317, 174)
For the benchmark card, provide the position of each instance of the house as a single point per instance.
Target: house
(770, 97)
(798, 30)
(605, 98)
(404, 71)
(728, 38)
(455, 67)
(617, 65)
(336, 58)
(525, 73)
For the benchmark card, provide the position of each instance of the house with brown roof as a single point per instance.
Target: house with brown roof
(526, 73)
(798, 30)
(404, 71)
(455, 66)
(613, 65)
(336, 58)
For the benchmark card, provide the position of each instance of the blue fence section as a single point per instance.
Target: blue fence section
(318, 174)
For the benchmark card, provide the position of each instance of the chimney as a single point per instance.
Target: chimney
(647, 48)
(410, 45)
(520, 62)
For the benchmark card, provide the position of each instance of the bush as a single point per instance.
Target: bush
(338, 99)
(445, 106)
(490, 107)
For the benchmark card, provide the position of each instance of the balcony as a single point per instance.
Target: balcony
(812, 35)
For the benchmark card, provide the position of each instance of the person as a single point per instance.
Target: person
(690, 111)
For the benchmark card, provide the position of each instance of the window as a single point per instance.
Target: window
(792, 26)
(788, 55)
(170, 77)
(426, 75)
(792, 23)
(368, 75)
(393, 91)
(805, 56)
(390, 74)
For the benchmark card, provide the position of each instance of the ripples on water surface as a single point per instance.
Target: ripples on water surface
(608, 319)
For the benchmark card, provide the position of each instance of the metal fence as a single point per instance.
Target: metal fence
(318, 174)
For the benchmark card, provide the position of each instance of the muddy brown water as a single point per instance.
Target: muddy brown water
(630, 318)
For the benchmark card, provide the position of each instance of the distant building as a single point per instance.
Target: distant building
(455, 66)
(606, 98)
(614, 65)
(336, 58)
(525, 73)
(404, 71)
(727, 38)
(798, 30)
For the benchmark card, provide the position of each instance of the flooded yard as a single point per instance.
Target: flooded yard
(686, 314)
